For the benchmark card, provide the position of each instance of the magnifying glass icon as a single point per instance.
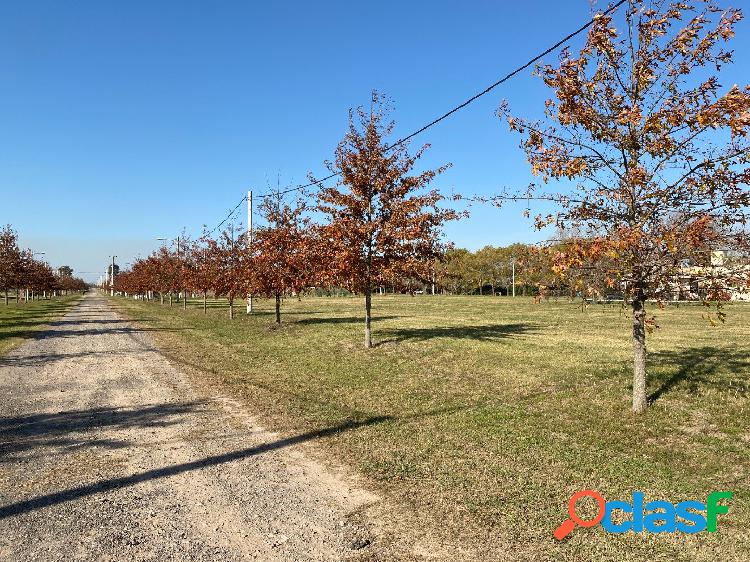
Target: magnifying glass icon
(569, 524)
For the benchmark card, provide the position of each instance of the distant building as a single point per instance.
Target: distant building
(731, 272)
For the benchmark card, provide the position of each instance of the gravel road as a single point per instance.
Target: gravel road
(108, 452)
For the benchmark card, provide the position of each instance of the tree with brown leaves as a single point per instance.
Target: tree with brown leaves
(230, 261)
(653, 149)
(204, 256)
(382, 225)
(10, 260)
(281, 262)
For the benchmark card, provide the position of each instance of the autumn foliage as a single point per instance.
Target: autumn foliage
(382, 224)
(284, 260)
(652, 153)
(27, 276)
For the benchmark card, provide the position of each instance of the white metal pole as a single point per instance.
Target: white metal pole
(249, 240)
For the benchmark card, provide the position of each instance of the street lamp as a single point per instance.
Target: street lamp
(184, 291)
(112, 290)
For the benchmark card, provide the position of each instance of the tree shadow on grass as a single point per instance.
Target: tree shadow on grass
(720, 368)
(343, 320)
(485, 332)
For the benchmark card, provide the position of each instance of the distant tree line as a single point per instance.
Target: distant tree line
(487, 271)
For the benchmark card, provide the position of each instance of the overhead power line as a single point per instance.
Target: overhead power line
(447, 114)
(218, 226)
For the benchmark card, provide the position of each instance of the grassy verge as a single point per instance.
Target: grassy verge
(21, 321)
(484, 415)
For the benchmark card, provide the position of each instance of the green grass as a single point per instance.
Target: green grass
(21, 321)
(484, 415)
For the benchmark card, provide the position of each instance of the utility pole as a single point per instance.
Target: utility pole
(249, 240)
(184, 290)
(112, 293)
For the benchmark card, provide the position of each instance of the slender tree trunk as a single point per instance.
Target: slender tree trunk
(278, 308)
(204, 302)
(368, 316)
(639, 355)
(161, 298)
(184, 300)
(170, 298)
(6, 297)
(18, 295)
(231, 308)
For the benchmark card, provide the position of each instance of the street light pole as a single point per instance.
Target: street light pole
(112, 291)
(32, 257)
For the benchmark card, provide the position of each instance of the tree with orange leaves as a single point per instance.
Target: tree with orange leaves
(383, 225)
(654, 153)
(281, 259)
(230, 260)
(205, 266)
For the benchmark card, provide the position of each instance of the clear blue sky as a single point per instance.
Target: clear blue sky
(124, 121)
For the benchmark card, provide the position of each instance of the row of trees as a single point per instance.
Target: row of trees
(381, 226)
(649, 152)
(28, 276)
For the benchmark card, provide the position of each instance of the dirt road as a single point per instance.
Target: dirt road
(108, 453)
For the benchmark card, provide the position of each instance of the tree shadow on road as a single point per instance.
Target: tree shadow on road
(44, 332)
(111, 484)
(48, 358)
(20, 435)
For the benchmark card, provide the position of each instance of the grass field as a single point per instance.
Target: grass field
(21, 321)
(484, 415)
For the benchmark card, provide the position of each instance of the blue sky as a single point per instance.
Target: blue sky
(121, 122)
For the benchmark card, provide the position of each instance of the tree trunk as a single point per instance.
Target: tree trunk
(231, 308)
(204, 302)
(639, 355)
(18, 295)
(6, 297)
(161, 297)
(368, 317)
(278, 308)
(170, 298)
(184, 300)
